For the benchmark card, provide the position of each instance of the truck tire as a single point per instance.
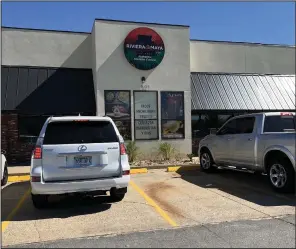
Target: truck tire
(116, 195)
(206, 161)
(39, 201)
(5, 175)
(281, 175)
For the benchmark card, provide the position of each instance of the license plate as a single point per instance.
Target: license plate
(83, 160)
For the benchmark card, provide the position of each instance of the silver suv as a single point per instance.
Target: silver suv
(79, 155)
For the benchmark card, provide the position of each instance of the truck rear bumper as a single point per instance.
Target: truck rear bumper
(53, 188)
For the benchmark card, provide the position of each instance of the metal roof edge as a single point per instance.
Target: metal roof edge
(244, 43)
(245, 74)
(46, 30)
(138, 22)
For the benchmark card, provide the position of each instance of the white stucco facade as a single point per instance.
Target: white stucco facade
(102, 51)
(113, 72)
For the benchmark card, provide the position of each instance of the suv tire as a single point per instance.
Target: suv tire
(116, 195)
(281, 171)
(5, 175)
(39, 201)
(206, 162)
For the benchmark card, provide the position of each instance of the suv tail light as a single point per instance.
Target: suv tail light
(35, 178)
(126, 172)
(37, 152)
(122, 149)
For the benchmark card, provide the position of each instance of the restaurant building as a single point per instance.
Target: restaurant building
(156, 83)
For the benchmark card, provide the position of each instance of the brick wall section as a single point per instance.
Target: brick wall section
(17, 152)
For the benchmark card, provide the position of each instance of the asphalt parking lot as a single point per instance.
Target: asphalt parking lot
(155, 201)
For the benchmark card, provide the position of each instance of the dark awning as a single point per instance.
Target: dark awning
(36, 90)
(242, 92)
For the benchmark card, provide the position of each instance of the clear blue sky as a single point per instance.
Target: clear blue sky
(262, 22)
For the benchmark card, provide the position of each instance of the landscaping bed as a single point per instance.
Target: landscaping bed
(161, 163)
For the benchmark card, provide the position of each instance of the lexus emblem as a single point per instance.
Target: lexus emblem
(82, 148)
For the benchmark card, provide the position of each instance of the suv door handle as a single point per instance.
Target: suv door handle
(228, 139)
(250, 139)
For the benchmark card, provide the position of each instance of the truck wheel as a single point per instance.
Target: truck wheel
(206, 161)
(116, 195)
(281, 175)
(39, 201)
(5, 175)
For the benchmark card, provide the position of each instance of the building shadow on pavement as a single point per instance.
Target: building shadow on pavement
(249, 187)
(59, 206)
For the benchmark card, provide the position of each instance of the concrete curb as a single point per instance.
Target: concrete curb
(182, 168)
(139, 171)
(165, 166)
(19, 178)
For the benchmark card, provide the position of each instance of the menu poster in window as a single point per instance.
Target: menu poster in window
(145, 105)
(117, 104)
(146, 129)
(124, 127)
(172, 129)
(172, 105)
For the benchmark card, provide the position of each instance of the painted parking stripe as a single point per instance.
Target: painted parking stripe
(164, 215)
(6, 222)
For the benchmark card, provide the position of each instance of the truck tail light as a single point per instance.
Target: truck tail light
(286, 114)
(122, 149)
(37, 153)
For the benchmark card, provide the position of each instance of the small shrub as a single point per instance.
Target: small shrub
(166, 151)
(132, 150)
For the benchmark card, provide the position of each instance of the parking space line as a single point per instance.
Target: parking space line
(164, 215)
(14, 211)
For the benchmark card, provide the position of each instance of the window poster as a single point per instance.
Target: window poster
(146, 129)
(172, 105)
(145, 105)
(124, 127)
(118, 107)
(172, 128)
(117, 104)
(172, 115)
(146, 115)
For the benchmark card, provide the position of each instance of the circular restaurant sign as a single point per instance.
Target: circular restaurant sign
(144, 48)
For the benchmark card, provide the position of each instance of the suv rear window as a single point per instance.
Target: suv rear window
(279, 123)
(80, 132)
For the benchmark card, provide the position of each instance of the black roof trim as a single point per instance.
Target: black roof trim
(45, 67)
(47, 30)
(245, 43)
(150, 23)
(244, 74)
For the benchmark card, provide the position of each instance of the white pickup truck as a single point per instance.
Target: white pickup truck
(261, 142)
